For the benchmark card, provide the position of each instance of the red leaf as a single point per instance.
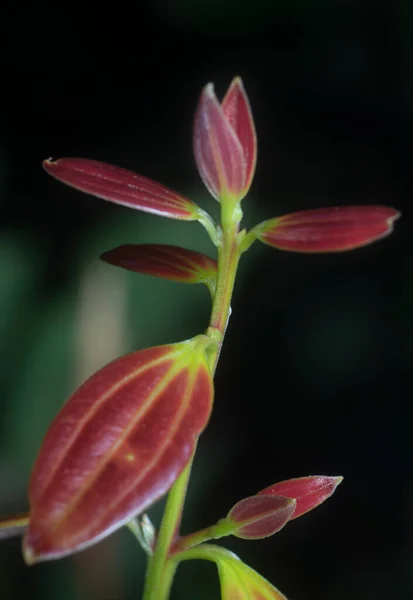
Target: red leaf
(169, 262)
(308, 492)
(121, 187)
(328, 229)
(117, 445)
(218, 151)
(259, 517)
(237, 109)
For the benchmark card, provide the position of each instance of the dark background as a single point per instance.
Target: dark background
(316, 373)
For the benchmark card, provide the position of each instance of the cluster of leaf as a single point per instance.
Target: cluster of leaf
(123, 438)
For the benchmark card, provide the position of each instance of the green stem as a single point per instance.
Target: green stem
(161, 566)
(213, 532)
(156, 587)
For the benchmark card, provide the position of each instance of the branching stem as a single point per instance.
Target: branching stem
(161, 565)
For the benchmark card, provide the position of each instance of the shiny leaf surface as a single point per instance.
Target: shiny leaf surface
(259, 517)
(328, 229)
(217, 149)
(122, 187)
(117, 445)
(237, 109)
(308, 492)
(168, 262)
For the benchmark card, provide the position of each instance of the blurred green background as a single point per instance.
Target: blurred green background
(316, 373)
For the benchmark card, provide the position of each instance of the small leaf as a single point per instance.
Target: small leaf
(169, 262)
(117, 446)
(144, 532)
(328, 229)
(308, 492)
(148, 531)
(122, 187)
(259, 517)
(240, 582)
(217, 149)
(13, 525)
(237, 109)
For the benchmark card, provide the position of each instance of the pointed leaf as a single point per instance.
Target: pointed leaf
(237, 109)
(259, 517)
(116, 446)
(169, 262)
(148, 531)
(217, 149)
(328, 229)
(13, 525)
(240, 582)
(122, 187)
(308, 492)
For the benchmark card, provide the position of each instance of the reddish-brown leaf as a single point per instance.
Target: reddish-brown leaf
(237, 109)
(117, 445)
(122, 187)
(328, 229)
(308, 492)
(259, 517)
(217, 149)
(169, 262)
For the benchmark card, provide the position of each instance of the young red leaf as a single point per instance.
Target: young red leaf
(122, 187)
(237, 109)
(169, 262)
(327, 229)
(117, 445)
(218, 151)
(13, 525)
(259, 517)
(308, 492)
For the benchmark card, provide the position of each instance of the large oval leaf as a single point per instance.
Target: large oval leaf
(117, 445)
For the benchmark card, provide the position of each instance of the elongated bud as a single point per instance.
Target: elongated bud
(237, 109)
(122, 187)
(168, 262)
(117, 445)
(225, 145)
(328, 229)
(259, 517)
(308, 492)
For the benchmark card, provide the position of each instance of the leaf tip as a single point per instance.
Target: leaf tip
(392, 218)
(236, 83)
(48, 162)
(209, 90)
(29, 555)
